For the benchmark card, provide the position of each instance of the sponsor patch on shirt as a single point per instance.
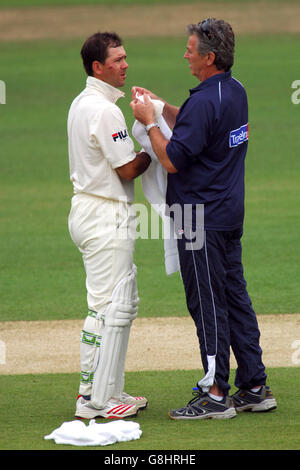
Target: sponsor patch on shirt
(121, 135)
(239, 136)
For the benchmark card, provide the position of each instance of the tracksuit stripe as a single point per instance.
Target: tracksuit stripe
(212, 295)
(199, 291)
(199, 294)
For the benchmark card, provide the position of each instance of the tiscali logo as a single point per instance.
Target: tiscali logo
(238, 136)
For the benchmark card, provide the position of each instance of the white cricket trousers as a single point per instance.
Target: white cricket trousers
(104, 232)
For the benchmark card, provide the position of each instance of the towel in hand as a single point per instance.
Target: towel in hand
(77, 433)
(154, 184)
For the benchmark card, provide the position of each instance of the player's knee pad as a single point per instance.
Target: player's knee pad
(120, 312)
(122, 309)
(124, 301)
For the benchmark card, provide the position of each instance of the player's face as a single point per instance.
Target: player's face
(196, 61)
(115, 66)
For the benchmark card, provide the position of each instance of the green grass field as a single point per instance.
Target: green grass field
(42, 276)
(42, 402)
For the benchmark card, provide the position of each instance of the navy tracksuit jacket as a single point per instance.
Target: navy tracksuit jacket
(208, 148)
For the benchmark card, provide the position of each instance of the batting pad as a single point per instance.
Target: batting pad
(121, 311)
(90, 341)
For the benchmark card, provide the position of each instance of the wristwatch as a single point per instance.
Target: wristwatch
(153, 124)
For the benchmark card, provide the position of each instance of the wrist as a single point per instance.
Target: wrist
(150, 126)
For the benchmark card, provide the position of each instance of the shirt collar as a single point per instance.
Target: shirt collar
(102, 88)
(219, 77)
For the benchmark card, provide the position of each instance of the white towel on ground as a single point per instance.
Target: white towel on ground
(77, 433)
(154, 184)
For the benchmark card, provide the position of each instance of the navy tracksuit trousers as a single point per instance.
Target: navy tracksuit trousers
(219, 304)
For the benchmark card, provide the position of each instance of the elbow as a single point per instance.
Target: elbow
(167, 163)
(170, 167)
(128, 176)
(126, 172)
(172, 170)
(135, 168)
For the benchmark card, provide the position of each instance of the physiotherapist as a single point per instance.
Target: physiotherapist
(205, 161)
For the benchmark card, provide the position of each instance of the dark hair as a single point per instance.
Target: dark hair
(215, 36)
(96, 48)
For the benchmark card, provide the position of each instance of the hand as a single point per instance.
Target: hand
(143, 112)
(142, 91)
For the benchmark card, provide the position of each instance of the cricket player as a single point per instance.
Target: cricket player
(103, 165)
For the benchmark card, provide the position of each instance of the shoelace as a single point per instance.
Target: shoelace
(197, 393)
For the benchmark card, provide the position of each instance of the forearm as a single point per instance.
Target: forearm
(159, 144)
(141, 163)
(134, 168)
(170, 113)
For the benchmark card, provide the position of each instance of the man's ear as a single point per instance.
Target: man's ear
(97, 68)
(211, 58)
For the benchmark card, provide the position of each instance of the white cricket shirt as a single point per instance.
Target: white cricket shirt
(99, 142)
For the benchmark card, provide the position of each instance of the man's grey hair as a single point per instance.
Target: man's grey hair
(215, 36)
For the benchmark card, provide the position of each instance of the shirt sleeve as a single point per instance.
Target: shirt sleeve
(111, 134)
(191, 132)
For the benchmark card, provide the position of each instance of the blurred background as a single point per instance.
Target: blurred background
(42, 275)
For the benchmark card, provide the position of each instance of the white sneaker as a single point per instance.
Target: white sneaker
(140, 402)
(112, 409)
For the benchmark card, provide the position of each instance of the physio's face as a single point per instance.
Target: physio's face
(196, 61)
(115, 66)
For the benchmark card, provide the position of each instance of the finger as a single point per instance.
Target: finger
(136, 89)
(133, 92)
(134, 103)
(146, 98)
